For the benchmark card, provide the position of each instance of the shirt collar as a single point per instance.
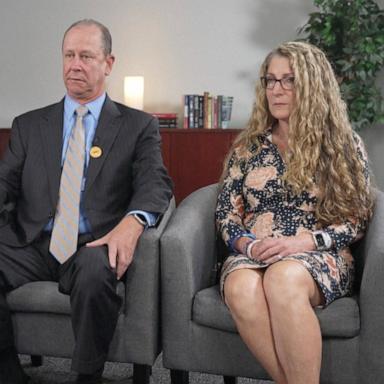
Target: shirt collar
(94, 106)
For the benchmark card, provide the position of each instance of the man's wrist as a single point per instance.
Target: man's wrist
(149, 218)
(140, 219)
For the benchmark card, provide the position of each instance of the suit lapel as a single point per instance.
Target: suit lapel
(51, 131)
(106, 132)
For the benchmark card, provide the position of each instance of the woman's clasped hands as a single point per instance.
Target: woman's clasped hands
(272, 249)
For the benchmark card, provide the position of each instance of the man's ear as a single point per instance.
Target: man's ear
(109, 60)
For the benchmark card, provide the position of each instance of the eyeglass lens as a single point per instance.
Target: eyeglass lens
(286, 83)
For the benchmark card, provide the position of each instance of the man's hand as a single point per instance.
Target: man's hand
(121, 243)
(272, 249)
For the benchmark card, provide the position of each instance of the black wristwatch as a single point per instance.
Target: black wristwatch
(140, 219)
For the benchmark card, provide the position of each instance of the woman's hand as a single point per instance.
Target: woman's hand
(272, 249)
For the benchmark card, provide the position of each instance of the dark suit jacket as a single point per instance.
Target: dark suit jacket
(129, 174)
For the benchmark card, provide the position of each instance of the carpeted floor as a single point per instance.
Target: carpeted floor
(57, 371)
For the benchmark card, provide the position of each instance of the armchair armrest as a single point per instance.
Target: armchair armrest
(188, 255)
(146, 263)
(188, 245)
(140, 316)
(371, 298)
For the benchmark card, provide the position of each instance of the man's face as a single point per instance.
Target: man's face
(85, 66)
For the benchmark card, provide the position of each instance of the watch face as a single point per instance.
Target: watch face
(320, 240)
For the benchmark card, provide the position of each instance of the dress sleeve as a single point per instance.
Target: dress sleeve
(351, 230)
(230, 204)
(344, 234)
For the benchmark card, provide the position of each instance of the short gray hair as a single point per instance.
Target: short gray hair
(106, 37)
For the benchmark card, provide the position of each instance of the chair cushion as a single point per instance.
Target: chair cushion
(43, 296)
(39, 296)
(340, 319)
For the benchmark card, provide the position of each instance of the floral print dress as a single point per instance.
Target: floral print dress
(254, 202)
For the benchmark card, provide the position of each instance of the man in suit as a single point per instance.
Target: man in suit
(107, 189)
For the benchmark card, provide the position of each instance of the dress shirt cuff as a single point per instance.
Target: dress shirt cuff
(232, 242)
(150, 218)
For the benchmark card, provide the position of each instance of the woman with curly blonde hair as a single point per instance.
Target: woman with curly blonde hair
(295, 194)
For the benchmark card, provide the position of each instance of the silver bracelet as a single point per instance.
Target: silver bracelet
(243, 250)
(250, 247)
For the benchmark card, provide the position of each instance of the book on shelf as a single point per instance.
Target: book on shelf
(191, 106)
(166, 120)
(226, 108)
(207, 111)
(186, 115)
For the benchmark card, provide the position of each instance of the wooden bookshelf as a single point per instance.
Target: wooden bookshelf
(194, 157)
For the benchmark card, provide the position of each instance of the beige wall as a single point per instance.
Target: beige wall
(180, 46)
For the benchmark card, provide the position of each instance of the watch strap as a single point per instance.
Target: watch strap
(141, 219)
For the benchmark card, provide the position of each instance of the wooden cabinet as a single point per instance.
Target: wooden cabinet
(4, 137)
(194, 157)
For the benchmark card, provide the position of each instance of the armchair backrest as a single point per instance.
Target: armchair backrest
(360, 248)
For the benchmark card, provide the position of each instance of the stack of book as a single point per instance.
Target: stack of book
(207, 111)
(166, 120)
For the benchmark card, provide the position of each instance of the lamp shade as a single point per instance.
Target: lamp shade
(134, 91)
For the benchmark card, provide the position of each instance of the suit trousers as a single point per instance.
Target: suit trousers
(86, 277)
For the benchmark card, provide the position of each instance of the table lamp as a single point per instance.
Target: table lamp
(134, 91)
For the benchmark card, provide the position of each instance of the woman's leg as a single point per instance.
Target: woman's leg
(291, 293)
(244, 295)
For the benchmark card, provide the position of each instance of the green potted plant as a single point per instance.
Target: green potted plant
(351, 33)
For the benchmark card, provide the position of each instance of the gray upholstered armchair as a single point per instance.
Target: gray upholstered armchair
(41, 315)
(200, 335)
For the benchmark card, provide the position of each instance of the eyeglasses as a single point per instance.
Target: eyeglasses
(287, 83)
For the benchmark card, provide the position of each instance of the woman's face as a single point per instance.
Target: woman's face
(281, 93)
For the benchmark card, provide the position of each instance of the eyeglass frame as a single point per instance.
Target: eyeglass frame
(264, 79)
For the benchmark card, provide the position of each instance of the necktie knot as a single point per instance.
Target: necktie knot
(81, 111)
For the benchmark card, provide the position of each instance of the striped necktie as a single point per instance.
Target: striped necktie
(66, 226)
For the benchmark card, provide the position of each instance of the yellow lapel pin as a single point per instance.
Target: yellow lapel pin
(95, 152)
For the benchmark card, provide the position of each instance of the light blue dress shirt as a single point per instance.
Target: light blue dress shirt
(90, 121)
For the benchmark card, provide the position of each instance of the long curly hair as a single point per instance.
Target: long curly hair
(322, 147)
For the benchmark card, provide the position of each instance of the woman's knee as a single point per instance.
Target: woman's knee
(288, 283)
(241, 290)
